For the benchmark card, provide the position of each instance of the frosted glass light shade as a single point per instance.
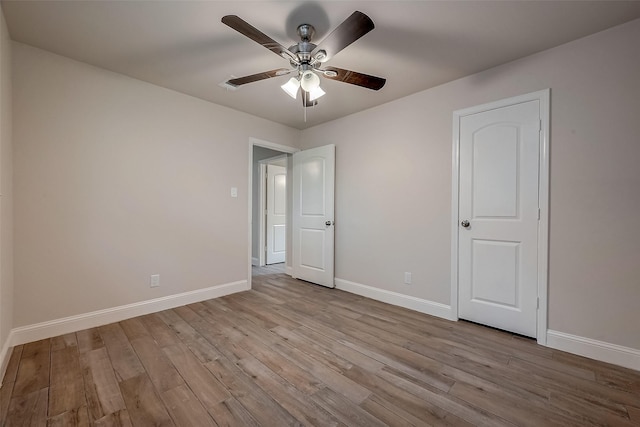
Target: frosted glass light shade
(316, 93)
(291, 87)
(310, 81)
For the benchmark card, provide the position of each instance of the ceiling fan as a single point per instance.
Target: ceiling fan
(307, 59)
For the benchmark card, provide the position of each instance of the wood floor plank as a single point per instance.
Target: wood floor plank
(391, 417)
(161, 333)
(64, 341)
(198, 344)
(446, 401)
(592, 412)
(333, 379)
(566, 383)
(33, 370)
(5, 400)
(288, 396)
(102, 392)
(280, 365)
(512, 408)
(207, 388)
(291, 353)
(467, 367)
(134, 328)
(346, 411)
(29, 409)
(66, 389)
(185, 408)
(78, 417)
(313, 349)
(220, 327)
(89, 339)
(115, 419)
(634, 414)
(262, 407)
(401, 398)
(162, 373)
(347, 353)
(231, 413)
(123, 358)
(9, 381)
(427, 370)
(268, 317)
(144, 406)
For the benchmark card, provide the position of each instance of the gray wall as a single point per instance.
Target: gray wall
(393, 174)
(117, 179)
(6, 190)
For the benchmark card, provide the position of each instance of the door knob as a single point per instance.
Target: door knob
(328, 223)
(465, 223)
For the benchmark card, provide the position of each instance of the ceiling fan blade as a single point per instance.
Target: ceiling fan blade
(258, 36)
(259, 76)
(354, 78)
(354, 27)
(305, 99)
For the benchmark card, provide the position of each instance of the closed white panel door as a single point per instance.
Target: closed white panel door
(313, 227)
(276, 213)
(498, 217)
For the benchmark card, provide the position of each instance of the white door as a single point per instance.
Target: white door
(276, 213)
(313, 226)
(498, 217)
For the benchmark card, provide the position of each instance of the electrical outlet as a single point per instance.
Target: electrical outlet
(155, 280)
(407, 278)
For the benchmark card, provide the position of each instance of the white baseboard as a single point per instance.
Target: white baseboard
(593, 349)
(255, 262)
(5, 354)
(53, 328)
(412, 303)
(288, 270)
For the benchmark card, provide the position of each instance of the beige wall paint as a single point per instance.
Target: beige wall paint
(117, 179)
(6, 193)
(393, 192)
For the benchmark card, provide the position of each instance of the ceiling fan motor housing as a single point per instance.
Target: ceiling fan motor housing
(304, 47)
(306, 32)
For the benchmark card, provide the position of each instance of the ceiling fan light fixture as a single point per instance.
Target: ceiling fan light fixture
(310, 81)
(316, 93)
(291, 87)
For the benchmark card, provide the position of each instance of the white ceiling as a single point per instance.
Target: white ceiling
(182, 45)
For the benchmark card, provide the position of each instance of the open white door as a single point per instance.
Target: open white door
(276, 213)
(313, 226)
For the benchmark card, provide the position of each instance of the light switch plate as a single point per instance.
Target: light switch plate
(234, 192)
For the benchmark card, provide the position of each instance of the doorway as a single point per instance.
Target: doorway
(310, 176)
(259, 151)
(500, 214)
(272, 194)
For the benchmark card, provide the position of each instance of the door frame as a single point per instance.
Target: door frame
(278, 147)
(543, 96)
(262, 200)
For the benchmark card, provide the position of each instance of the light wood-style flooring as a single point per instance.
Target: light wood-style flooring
(291, 353)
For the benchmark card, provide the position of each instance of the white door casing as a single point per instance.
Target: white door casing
(276, 213)
(313, 215)
(501, 155)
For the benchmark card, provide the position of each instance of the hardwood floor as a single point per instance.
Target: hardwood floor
(291, 353)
